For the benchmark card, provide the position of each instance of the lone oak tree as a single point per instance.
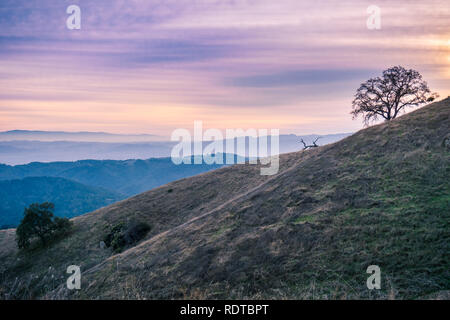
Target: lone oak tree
(388, 95)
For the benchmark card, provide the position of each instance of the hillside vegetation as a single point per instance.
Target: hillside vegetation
(379, 197)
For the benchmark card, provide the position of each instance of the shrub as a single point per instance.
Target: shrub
(62, 226)
(113, 234)
(124, 235)
(39, 222)
(135, 232)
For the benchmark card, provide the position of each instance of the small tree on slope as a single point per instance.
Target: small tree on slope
(39, 222)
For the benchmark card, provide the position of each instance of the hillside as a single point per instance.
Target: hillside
(380, 196)
(70, 198)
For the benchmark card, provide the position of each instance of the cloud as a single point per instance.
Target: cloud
(299, 77)
(221, 59)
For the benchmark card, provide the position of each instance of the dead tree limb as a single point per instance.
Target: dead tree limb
(314, 145)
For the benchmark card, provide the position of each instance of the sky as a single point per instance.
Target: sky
(153, 66)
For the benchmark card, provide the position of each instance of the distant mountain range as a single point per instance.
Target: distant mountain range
(83, 186)
(28, 149)
(86, 185)
(23, 152)
(126, 177)
(70, 198)
(82, 136)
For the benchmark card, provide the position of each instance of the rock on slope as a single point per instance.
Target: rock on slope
(380, 196)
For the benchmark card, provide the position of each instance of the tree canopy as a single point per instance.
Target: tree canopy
(387, 96)
(39, 222)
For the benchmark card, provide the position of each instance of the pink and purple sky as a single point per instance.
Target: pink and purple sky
(153, 66)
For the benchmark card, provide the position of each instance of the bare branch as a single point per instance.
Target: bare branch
(314, 145)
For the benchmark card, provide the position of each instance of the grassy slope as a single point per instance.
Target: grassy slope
(381, 196)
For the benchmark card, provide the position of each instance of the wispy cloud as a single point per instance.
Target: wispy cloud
(151, 65)
(300, 77)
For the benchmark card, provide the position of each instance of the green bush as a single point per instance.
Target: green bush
(39, 222)
(124, 235)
